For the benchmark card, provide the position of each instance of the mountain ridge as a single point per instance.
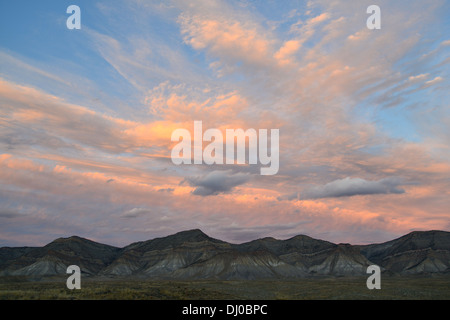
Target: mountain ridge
(192, 254)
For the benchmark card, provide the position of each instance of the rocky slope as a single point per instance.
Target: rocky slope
(194, 255)
(161, 256)
(416, 252)
(55, 257)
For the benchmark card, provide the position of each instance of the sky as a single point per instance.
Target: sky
(86, 118)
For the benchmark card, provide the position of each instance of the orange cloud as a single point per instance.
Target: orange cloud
(227, 38)
(285, 53)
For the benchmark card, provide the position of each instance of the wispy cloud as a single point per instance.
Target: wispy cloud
(135, 212)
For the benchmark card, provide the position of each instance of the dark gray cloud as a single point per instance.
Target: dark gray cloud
(217, 182)
(289, 197)
(135, 212)
(354, 186)
(8, 213)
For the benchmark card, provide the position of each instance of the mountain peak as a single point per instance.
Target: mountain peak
(72, 238)
(76, 242)
(192, 232)
(268, 239)
(426, 233)
(300, 237)
(193, 235)
(174, 240)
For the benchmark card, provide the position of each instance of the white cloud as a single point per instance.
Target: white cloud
(434, 81)
(422, 76)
